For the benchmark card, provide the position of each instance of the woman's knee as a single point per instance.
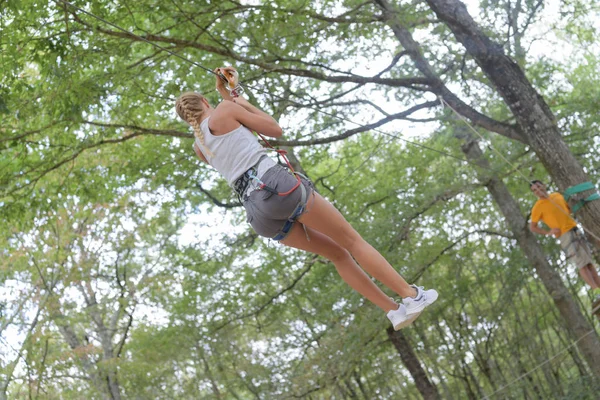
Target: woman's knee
(336, 253)
(350, 240)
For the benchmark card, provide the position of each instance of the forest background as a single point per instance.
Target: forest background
(127, 269)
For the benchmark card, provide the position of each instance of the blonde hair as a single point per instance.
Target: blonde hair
(189, 108)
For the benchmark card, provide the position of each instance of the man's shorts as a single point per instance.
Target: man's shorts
(575, 247)
(267, 212)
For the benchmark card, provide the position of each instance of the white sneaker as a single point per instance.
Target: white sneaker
(399, 319)
(424, 298)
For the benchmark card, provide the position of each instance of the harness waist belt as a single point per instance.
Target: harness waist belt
(241, 184)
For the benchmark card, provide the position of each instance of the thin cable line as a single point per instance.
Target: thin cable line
(538, 366)
(336, 116)
(385, 133)
(371, 154)
(137, 36)
(516, 169)
(263, 91)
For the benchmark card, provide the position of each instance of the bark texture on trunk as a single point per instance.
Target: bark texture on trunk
(427, 389)
(576, 322)
(535, 119)
(436, 85)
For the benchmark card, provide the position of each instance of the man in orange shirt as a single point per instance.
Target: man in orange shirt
(553, 210)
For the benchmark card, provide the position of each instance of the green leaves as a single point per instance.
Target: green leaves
(101, 198)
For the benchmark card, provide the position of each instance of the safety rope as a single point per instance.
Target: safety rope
(137, 36)
(231, 77)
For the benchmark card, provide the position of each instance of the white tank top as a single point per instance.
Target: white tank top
(233, 153)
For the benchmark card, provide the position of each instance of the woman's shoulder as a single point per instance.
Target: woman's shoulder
(222, 119)
(225, 104)
(224, 110)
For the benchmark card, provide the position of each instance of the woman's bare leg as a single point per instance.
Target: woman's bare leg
(322, 216)
(345, 265)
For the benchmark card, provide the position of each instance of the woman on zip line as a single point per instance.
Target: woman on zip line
(282, 205)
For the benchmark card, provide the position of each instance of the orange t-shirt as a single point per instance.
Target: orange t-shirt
(554, 212)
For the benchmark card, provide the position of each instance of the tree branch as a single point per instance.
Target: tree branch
(258, 310)
(437, 85)
(215, 200)
(424, 268)
(362, 128)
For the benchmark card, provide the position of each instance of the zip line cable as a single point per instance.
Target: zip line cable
(443, 102)
(137, 36)
(381, 132)
(262, 91)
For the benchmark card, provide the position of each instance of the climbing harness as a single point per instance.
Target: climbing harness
(240, 186)
(571, 192)
(235, 93)
(231, 77)
(582, 187)
(300, 208)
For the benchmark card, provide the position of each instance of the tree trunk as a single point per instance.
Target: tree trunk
(576, 322)
(109, 369)
(410, 360)
(433, 364)
(74, 343)
(534, 118)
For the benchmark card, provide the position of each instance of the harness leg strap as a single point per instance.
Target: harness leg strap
(292, 218)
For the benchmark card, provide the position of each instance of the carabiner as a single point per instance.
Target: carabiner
(232, 82)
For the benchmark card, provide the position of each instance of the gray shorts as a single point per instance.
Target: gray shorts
(575, 247)
(267, 212)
